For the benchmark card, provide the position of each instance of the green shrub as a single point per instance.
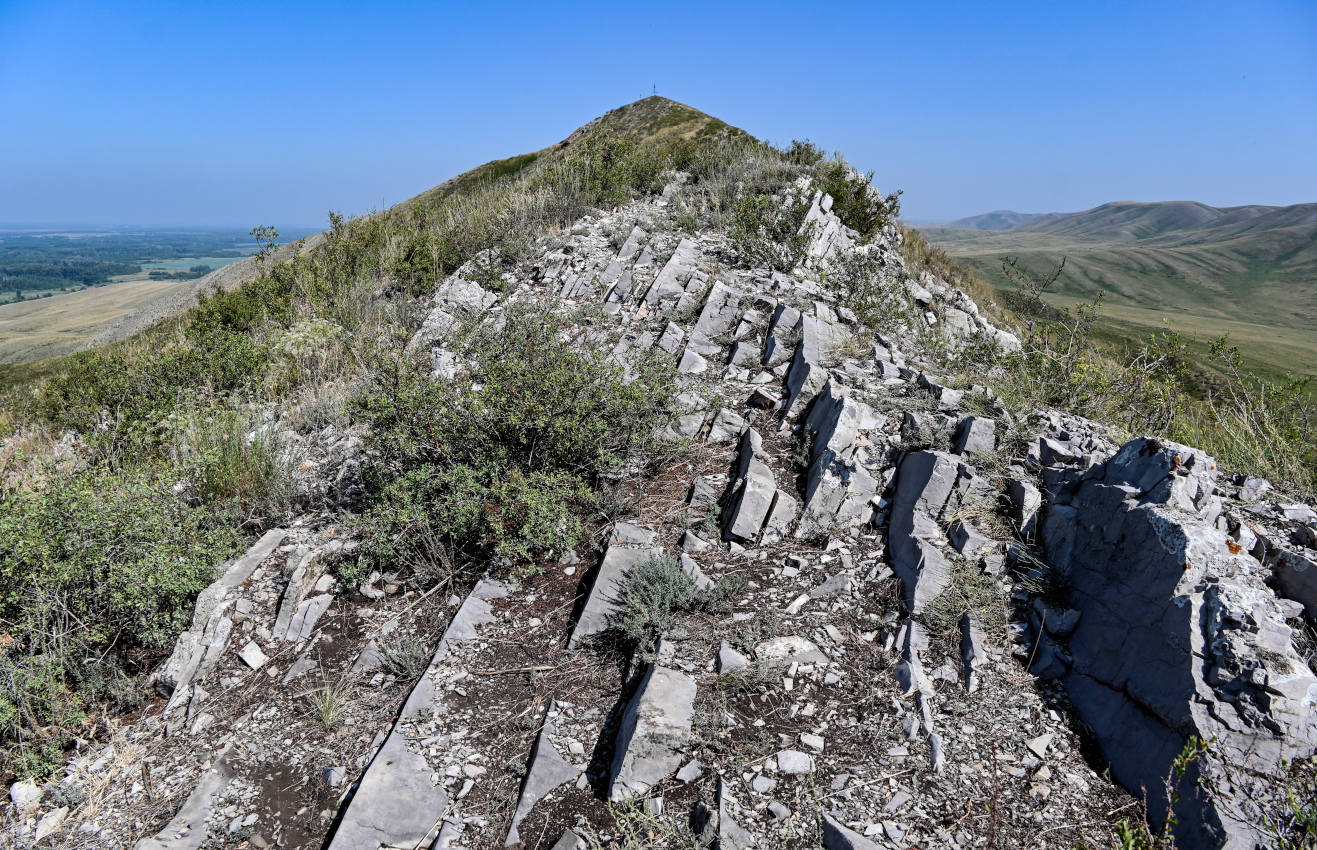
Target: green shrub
(861, 284)
(854, 200)
(93, 568)
(767, 231)
(804, 153)
(500, 461)
(654, 592)
(236, 469)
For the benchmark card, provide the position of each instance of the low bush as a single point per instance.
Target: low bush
(862, 285)
(236, 468)
(95, 569)
(854, 200)
(767, 231)
(501, 460)
(653, 594)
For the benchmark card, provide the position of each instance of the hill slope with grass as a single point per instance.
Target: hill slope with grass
(656, 489)
(1250, 270)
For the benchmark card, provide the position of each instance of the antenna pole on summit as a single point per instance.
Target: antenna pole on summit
(653, 90)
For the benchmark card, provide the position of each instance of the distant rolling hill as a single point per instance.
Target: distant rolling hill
(999, 220)
(1250, 270)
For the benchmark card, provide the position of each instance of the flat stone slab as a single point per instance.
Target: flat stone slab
(188, 830)
(655, 730)
(547, 770)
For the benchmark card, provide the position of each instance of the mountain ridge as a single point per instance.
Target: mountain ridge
(1137, 220)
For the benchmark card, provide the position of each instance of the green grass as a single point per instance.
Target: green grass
(1258, 286)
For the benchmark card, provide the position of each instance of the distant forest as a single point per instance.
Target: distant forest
(32, 264)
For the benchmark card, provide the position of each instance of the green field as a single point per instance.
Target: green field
(47, 327)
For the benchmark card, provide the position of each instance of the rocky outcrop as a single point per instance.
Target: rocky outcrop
(655, 731)
(397, 802)
(833, 489)
(197, 649)
(1179, 636)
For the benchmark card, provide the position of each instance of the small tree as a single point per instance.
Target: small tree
(266, 238)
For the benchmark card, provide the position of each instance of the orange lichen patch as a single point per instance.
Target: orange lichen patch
(1234, 547)
(1188, 566)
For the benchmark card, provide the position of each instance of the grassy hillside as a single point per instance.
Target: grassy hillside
(1250, 271)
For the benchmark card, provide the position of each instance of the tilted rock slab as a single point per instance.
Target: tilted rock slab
(929, 485)
(198, 648)
(190, 827)
(396, 804)
(547, 770)
(629, 546)
(753, 493)
(1178, 637)
(655, 731)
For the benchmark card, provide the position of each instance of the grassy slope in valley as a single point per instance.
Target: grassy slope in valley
(1249, 271)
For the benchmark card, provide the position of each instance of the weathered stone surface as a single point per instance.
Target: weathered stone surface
(1254, 488)
(671, 339)
(546, 771)
(909, 671)
(838, 837)
(721, 310)
(754, 491)
(625, 256)
(1172, 637)
(807, 374)
(780, 517)
(1296, 577)
(396, 803)
(973, 655)
(187, 830)
(794, 762)
(788, 649)
(727, 425)
(835, 420)
(655, 731)
(729, 660)
(924, 484)
(744, 354)
(252, 655)
(1025, 501)
(977, 434)
(692, 363)
(670, 279)
(967, 540)
(731, 835)
(630, 546)
(200, 646)
(827, 234)
(782, 335)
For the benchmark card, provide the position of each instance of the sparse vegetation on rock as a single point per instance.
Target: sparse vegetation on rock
(874, 583)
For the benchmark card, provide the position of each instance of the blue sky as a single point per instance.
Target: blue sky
(233, 113)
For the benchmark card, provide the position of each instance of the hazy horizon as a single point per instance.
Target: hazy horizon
(246, 114)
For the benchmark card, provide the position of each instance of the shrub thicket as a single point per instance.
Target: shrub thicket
(95, 568)
(768, 231)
